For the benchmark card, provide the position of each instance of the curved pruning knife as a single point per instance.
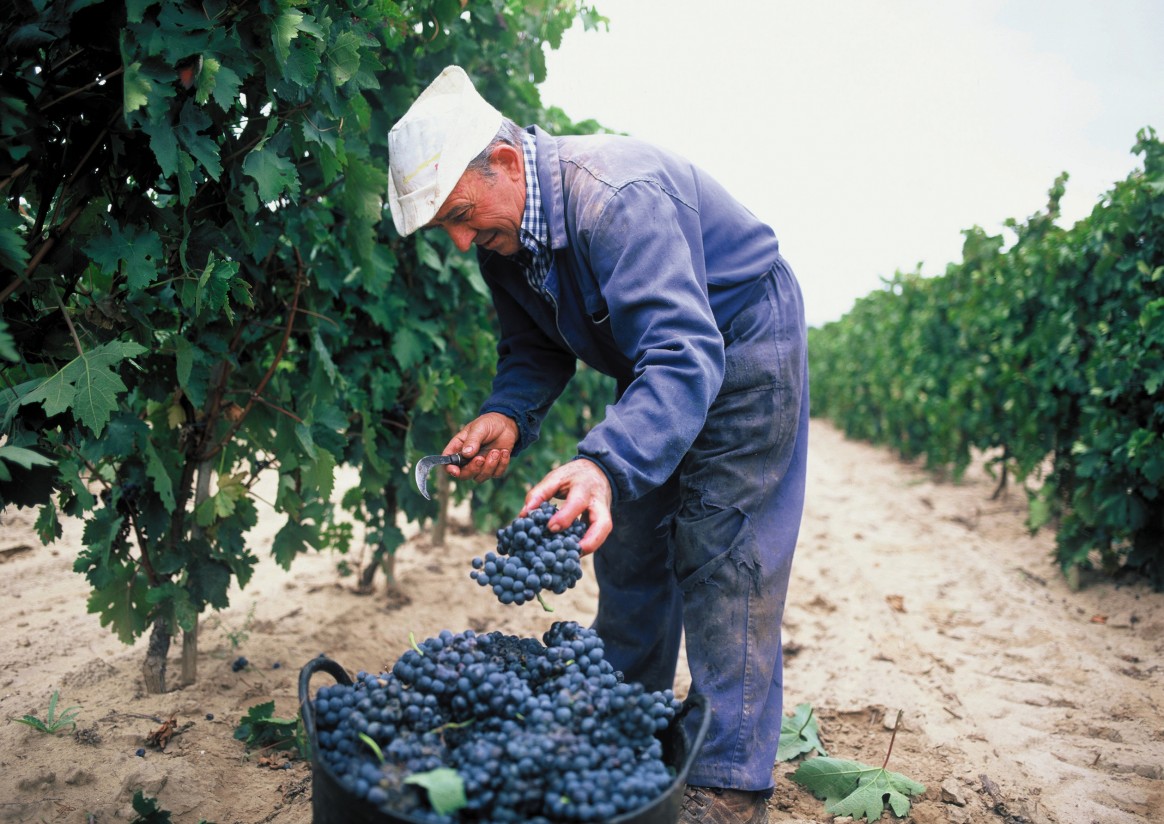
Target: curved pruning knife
(425, 465)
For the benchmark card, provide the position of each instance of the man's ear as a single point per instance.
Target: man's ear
(508, 161)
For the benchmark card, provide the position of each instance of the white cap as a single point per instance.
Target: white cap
(429, 148)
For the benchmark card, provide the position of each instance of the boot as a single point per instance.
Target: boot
(712, 805)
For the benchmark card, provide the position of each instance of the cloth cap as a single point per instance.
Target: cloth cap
(429, 148)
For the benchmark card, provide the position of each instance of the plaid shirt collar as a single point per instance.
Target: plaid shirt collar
(534, 233)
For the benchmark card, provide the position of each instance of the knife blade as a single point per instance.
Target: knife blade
(425, 465)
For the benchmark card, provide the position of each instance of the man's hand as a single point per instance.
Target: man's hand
(586, 490)
(488, 441)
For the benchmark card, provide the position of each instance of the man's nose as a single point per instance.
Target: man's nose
(462, 236)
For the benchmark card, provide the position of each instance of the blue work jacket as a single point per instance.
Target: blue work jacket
(652, 259)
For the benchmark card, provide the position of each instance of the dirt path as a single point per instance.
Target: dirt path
(908, 594)
(932, 599)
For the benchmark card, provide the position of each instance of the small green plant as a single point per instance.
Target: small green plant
(238, 636)
(259, 729)
(150, 812)
(53, 723)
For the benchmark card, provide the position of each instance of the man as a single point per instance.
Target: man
(614, 252)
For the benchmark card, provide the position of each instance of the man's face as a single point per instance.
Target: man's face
(486, 210)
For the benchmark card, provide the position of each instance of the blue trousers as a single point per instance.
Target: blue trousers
(707, 556)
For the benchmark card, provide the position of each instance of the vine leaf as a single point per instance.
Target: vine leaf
(273, 174)
(88, 385)
(855, 789)
(343, 57)
(148, 811)
(157, 471)
(445, 787)
(284, 29)
(231, 489)
(121, 601)
(136, 87)
(799, 734)
(139, 249)
(13, 255)
(260, 729)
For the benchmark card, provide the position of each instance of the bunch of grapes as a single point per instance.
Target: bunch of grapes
(536, 732)
(530, 558)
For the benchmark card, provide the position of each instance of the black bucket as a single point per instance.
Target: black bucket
(332, 804)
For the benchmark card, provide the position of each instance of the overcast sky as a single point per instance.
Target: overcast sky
(870, 134)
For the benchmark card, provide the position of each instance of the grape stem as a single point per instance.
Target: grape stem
(367, 739)
(545, 606)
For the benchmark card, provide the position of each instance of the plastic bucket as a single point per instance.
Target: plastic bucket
(331, 803)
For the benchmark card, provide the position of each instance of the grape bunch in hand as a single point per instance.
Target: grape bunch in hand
(530, 559)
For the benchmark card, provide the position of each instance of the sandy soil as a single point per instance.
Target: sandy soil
(1021, 700)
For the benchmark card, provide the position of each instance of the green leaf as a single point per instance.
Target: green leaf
(320, 474)
(303, 65)
(164, 143)
(157, 471)
(306, 440)
(320, 349)
(13, 254)
(855, 789)
(273, 174)
(799, 734)
(136, 88)
(292, 539)
(88, 385)
(445, 787)
(260, 729)
(123, 604)
(214, 285)
(24, 457)
(218, 82)
(191, 125)
(428, 254)
(231, 490)
(138, 248)
(48, 525)
(7, 344)
(148, 811)
(343, 58)
(135, 9)
(407, 348)
(208, 583)
(184, 353)
(284, 29)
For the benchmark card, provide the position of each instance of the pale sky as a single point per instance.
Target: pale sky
(870, 134)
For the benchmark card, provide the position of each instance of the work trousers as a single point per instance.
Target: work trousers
(706, 557)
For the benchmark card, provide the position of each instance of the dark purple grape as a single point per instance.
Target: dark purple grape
(537, 731)
(530, 559)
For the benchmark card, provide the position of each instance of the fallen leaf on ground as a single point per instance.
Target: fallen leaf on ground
(855, 789)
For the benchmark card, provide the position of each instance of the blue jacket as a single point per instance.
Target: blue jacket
(652, 258)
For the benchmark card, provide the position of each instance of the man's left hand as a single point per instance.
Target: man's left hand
(586, 490)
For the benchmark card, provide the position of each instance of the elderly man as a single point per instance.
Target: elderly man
(614, 252)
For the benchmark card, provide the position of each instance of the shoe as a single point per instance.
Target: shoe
(712, 805)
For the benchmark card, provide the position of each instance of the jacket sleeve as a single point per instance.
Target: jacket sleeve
(645, 250)
(532, 370)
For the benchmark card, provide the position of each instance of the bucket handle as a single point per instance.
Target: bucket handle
(321, 663)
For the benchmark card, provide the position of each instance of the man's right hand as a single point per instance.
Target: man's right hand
(488, 442)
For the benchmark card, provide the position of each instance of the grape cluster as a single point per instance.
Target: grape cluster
(530, 558)
(537, 732)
